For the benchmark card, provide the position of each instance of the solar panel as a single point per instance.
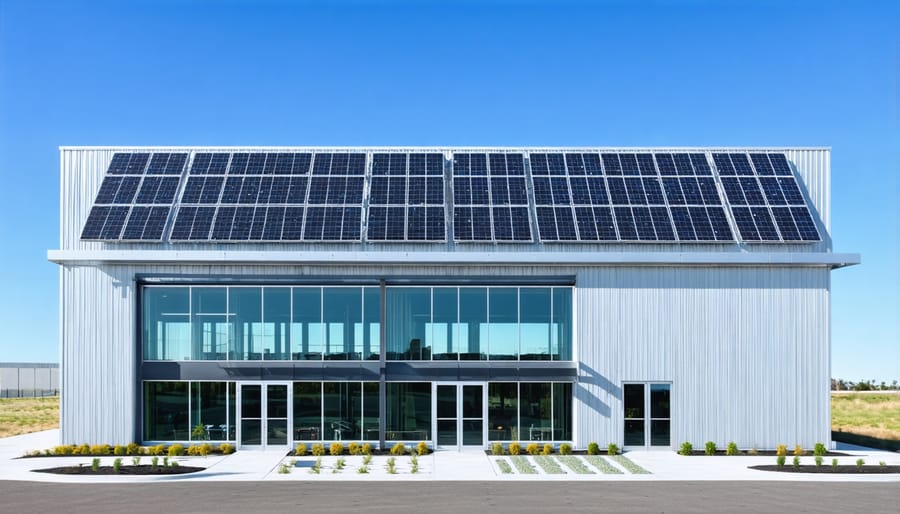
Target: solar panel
(490, 196)
(406, 197)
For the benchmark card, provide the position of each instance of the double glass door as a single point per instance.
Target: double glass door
(647, 415)
(265, 412)
(460, 411)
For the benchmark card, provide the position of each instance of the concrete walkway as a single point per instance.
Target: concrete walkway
(440, 466)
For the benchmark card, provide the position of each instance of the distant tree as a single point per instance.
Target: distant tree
(862, 386)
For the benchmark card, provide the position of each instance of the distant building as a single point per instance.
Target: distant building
(458, 296)
(28, 379)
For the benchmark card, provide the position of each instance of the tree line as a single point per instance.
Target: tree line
(838, 384)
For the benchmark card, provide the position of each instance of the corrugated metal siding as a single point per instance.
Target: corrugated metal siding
(746, 351)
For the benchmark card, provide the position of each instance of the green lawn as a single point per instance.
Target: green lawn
(25, 415)
(869, 414)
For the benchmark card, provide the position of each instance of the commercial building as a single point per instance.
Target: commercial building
(459, 296)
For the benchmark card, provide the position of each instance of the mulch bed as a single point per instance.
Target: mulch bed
(763, 453)
(144, 469)
(825, 470)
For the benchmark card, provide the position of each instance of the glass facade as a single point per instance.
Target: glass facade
(408, 416)
(529, 411)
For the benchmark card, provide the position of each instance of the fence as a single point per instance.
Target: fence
(28, 380)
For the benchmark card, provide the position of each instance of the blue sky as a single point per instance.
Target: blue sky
(472, 73)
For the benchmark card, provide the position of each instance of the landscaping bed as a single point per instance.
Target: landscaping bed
(758, 453)
(841, 469)
(143, 469)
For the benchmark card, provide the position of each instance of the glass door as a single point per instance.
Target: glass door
(264, 411)
(459, 415)
(647, 415)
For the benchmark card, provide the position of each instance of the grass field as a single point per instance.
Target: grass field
(25, 415)
(869, 414)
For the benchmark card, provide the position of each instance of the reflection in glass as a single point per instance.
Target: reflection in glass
(634, 401)
(409, 314)
(659, 400)
(342, 315)
(343, 410)
(444, 327)
(277, 323)
(251, 412)
(659, 433)
(535, 412)
(446, 401)
(307, 333)
(503, 411)
(472, 323)
(208, 409)
(503, 327)
(408, 416)
(535, 323)
(307, 411)
(166, 411)
(562, 412)
(446, 432)
(210, 324)
(472, 401)
(473, 432)
(371, 412)
(166, 323)
(561, 336)
(371, 346)
(246, 304)
(634, 432)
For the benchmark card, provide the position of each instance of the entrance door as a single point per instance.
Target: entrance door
(264, 411)
(460, 411)
(647, 415)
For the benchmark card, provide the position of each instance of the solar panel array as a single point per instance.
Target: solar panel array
(627, 197)
(490, 197)
(135, 197)
(272, 197)
(764, 197)
(406, 197)
(333, 196)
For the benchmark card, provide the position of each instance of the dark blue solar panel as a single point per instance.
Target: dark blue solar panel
(764, 224)
(581, 194)
(521, 223)
(629, 164)
(625, 224)
(772, 191)
(314, 223)
(575, 164)
(618, 195)
(515, 164)
(115, 221)
(592, 164)
(587, 228)
(701, 165)
(499, 191)
(280, 188)
(542, 194)
(297, 190)
(741, 164)
(674, 195)
(745, 224)
(644, 223)
(683, 164)
(792, 194)
(167, 164)
(733, 191)
(435, 226)
(805, 224)
(518, 194)
(415, 223)
(684, 227)
(147, 192)
(137, 219)
(653, 190)
(293, 224)
(478, 164)
(702, 225)
(502, 224)
(719, 222)
(708, 191)
(481, 223)
(462, 223)
(223, 222)
(479, 191)
(559, 188)
(128, 164)
(497, 163)
(723, 164)
(238, 165)
(780, 164)
(662, 223)
(538, 164)
(611, 163)
(784, 220)
(94, 224)
(665, 164)
(599, 195)
(762, 164)
(274, 224)
(546, 222)
(556, 164)
(108, 190)
(752, 192)
(691, 191)
(635, 189)
(318, 190)
(243, 220)
(646, 164)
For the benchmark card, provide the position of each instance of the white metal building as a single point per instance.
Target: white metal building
(460, 296)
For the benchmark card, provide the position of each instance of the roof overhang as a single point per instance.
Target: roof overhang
(206, 257)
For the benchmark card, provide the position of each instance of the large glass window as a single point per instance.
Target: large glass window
(562, 412)
(503, 328)
(371, 411)
(166, 412)
(342, 316)
(535, 411)
(210, 324)
(561, 344)
(277, 323)
(409, 314)
(307, 332)
(167, 323)
(343, 410)
(307, 411)
(246, 304)
(473, 323)
(535, 314)
(444, 323)
(503, 411)
(209, 413)
(371, 323)
(408, 416)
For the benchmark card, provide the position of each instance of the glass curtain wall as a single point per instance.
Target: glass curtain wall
(529, 411)
(167, 326)
(189, 411)
(408, 416)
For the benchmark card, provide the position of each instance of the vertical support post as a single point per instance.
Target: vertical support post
(382, 389)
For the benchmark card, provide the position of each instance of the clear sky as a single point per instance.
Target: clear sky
(693, 73)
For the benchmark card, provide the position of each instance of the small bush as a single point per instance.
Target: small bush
(612, 449)
(565, 449)
(882, 463)
(422, 448)
(532, 449)
(834, 464)
(136, 460)
(391, 463)
(781, 450)
(117, 464)
(198, 432)
(336, 448)
(366, 449)
(205, 449)
(780, 460)
(753, 451)
(95, 464)
(226, 449)
(799, 451)
(593, 449)
(174, 463)
(340, 463)
(547, 450)
(67, 449)
(120, 450)
(82, 449)
(134, 449)
(497, 449)
(154, 462)
(367, 459)
(317, 466)
(732, 449)
(515, 448)
(362, 470)
(414, 465)
(818, 459)
(318, 449)
(300, 449)
(353, 448)
(284, 469)
(819, 450)
(159, 449)
(796, 461)
(398, 449)
(176, 450)
(860, 463)
(193, 450)
(100, 449)
(686, 448)
(710, 448)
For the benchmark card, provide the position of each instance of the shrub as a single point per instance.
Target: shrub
(154, 462)
(134, 449)
(593, 449)
(819, 450)
(834, 464)
(497, 449)
(205, 449)
(120, 450)
(753, 451)
(165, 462)
(796, 461)
(710, 448)
(226, 449)
(781, 450)
(300, 449)
(193, 450)
(198, 433)
(818, 460)
(82, 449)
(390, 465)
(532, 449)
(686, 448)
(95, 464)
(117, 464)
(515, 448)
(414, 465)
(353, 448)
(283, 469)
(362, 470)
(336, 448)
(860, 463)
(799, 451)
(547, 450)
(67, 449)
(732, 449)
(565, 449)
(136, 460)
(398, 449)
(422, 448)
(366, 449)
(612, 449)
(159, 449)
(176, 450)
(882, 463)
(780, 460)
(318, 449)
(340, 463)
(367, 459)
(100, 449)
